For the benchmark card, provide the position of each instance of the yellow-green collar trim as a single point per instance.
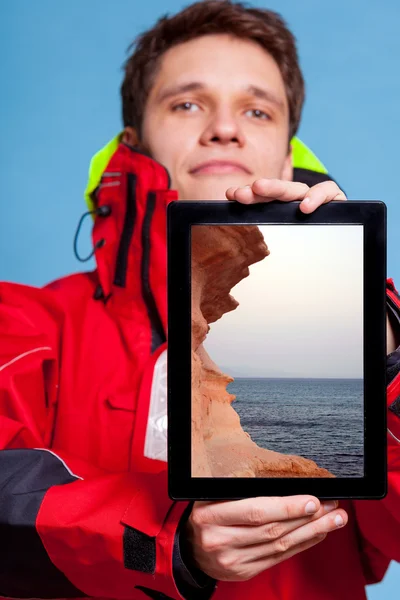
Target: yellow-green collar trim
(97, 167)
(303, 158)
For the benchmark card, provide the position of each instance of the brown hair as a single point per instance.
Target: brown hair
(262, 26)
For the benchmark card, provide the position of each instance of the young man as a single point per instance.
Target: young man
(211, 100)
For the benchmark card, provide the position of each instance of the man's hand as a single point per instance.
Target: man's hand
(236, 540)
(266, 190)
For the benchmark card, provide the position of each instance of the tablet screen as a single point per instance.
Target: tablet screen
(277, 380)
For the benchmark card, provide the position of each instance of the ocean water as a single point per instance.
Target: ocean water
(319, 419)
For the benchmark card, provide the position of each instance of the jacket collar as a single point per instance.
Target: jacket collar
(128, 192)
(129, 234)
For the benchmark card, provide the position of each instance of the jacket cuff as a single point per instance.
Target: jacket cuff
(192, 583)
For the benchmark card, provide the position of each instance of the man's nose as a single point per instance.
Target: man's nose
(223, 128)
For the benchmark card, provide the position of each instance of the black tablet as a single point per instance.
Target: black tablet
(276, 350)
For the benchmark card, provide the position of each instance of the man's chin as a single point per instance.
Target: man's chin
(211, 189)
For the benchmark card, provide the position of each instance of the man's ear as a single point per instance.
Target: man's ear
(130, 137)
(287, 169)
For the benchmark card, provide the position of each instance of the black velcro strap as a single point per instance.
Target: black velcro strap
(152, 593)
(139, 551)
(26, 570)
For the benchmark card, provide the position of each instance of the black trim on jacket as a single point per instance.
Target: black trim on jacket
(26, 570)
(127, 232)
(158, 336)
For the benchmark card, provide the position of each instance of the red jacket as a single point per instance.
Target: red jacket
(84, 508)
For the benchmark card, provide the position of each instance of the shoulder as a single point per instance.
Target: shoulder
(32, 310)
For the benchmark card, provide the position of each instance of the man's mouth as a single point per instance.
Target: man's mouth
(219, 167)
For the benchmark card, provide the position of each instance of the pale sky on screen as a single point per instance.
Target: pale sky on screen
(300, 311)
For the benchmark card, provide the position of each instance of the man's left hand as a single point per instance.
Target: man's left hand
(266, 190)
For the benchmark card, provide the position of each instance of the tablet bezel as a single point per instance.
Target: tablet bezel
(181, 216)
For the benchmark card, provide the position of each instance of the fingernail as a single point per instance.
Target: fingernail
(311, 508)
(306, 200)
(338, 521)
(328, 506)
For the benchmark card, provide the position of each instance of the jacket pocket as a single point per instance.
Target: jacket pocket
(116, 425)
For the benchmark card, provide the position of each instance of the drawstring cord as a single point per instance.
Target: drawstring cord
(101, 211)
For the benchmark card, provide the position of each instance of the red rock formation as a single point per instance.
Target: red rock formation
(221, 256)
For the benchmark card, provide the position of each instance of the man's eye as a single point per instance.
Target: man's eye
(259, 114)
(186, 106)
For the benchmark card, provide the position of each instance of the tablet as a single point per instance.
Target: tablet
(276, 350)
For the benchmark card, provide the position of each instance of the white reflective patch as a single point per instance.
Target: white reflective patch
(155, 445)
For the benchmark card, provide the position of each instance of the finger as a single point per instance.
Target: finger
(277, 189)
(244, 535)
(266, 563)
(230, 193)
(244, 195)
(266, 190)
(254, 511)
(321, 194)
(330, 522)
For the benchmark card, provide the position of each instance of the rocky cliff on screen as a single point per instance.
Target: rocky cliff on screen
(221, 256)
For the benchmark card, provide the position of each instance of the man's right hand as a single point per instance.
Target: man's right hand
(236, 540)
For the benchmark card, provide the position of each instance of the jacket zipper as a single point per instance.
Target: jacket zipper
(158, 336)
(127, 232)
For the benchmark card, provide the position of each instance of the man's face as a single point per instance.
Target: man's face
(217, 116)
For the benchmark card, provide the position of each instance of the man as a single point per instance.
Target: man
(211, 100)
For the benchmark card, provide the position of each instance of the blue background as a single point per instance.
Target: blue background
(60, 72)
